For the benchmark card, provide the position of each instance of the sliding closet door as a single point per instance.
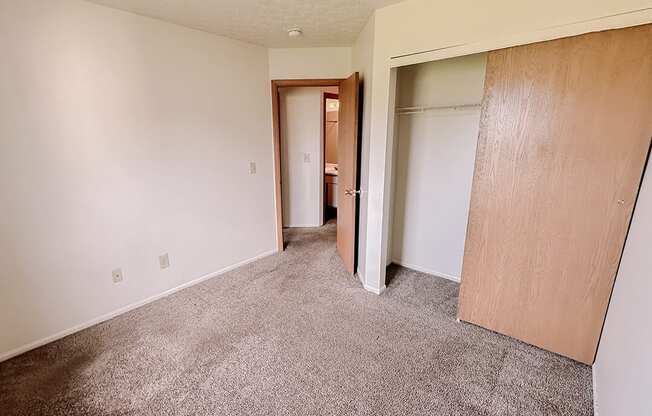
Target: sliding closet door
(564, 134)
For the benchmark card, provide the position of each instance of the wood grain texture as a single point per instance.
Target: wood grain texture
(278, 193)
(565, 130)
(328, 82)
(347, 159)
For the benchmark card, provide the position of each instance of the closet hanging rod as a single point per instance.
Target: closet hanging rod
(422, 109)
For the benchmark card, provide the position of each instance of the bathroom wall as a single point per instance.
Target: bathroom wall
(331, 132)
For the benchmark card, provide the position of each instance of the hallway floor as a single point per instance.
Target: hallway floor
(293, 334)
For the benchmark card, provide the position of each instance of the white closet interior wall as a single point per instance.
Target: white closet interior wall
(438, 117)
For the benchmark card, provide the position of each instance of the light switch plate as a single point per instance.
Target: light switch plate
(306, 158)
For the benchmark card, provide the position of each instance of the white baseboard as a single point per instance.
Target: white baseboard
(374, 290)
(369, 288)
(427, 271)
(595, 392)
(43, 341)
(303, 226)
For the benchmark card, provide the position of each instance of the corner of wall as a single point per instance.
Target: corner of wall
(595, 391)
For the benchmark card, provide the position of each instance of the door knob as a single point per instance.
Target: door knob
(351, 192)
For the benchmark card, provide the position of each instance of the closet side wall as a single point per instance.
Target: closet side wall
(435, 159)
(623, 368)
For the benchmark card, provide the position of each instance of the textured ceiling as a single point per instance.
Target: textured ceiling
(264, 22)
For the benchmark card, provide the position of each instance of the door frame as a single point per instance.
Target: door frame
(325, 96)
(276, 131)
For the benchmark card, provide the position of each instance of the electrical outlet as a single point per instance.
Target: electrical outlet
(117, 276)
(252, 168)
(306, 158)
(164, 261)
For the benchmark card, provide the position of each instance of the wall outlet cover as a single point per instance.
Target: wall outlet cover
(252, 168)
(117, 276)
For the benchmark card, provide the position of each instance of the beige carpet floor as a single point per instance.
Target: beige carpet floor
(292, 334)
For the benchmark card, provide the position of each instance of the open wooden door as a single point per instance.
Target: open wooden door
(347, 160)
(564, 135)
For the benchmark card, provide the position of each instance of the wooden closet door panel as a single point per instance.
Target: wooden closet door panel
(565, 130)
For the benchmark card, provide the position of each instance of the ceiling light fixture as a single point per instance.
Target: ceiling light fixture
(295, 33)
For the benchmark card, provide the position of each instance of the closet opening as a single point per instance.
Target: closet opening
(527, 198)
(436, 134)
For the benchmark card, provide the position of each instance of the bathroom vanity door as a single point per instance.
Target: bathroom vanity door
(347, 160)
(564, 135)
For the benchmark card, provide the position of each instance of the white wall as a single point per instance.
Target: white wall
(435, 162)
(301, 137)
(362, 62)
(121, 138)
(442, 30)
(309, 63)
(623, 368)
(331, 131)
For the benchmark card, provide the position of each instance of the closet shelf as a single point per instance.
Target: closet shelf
(423, 109)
